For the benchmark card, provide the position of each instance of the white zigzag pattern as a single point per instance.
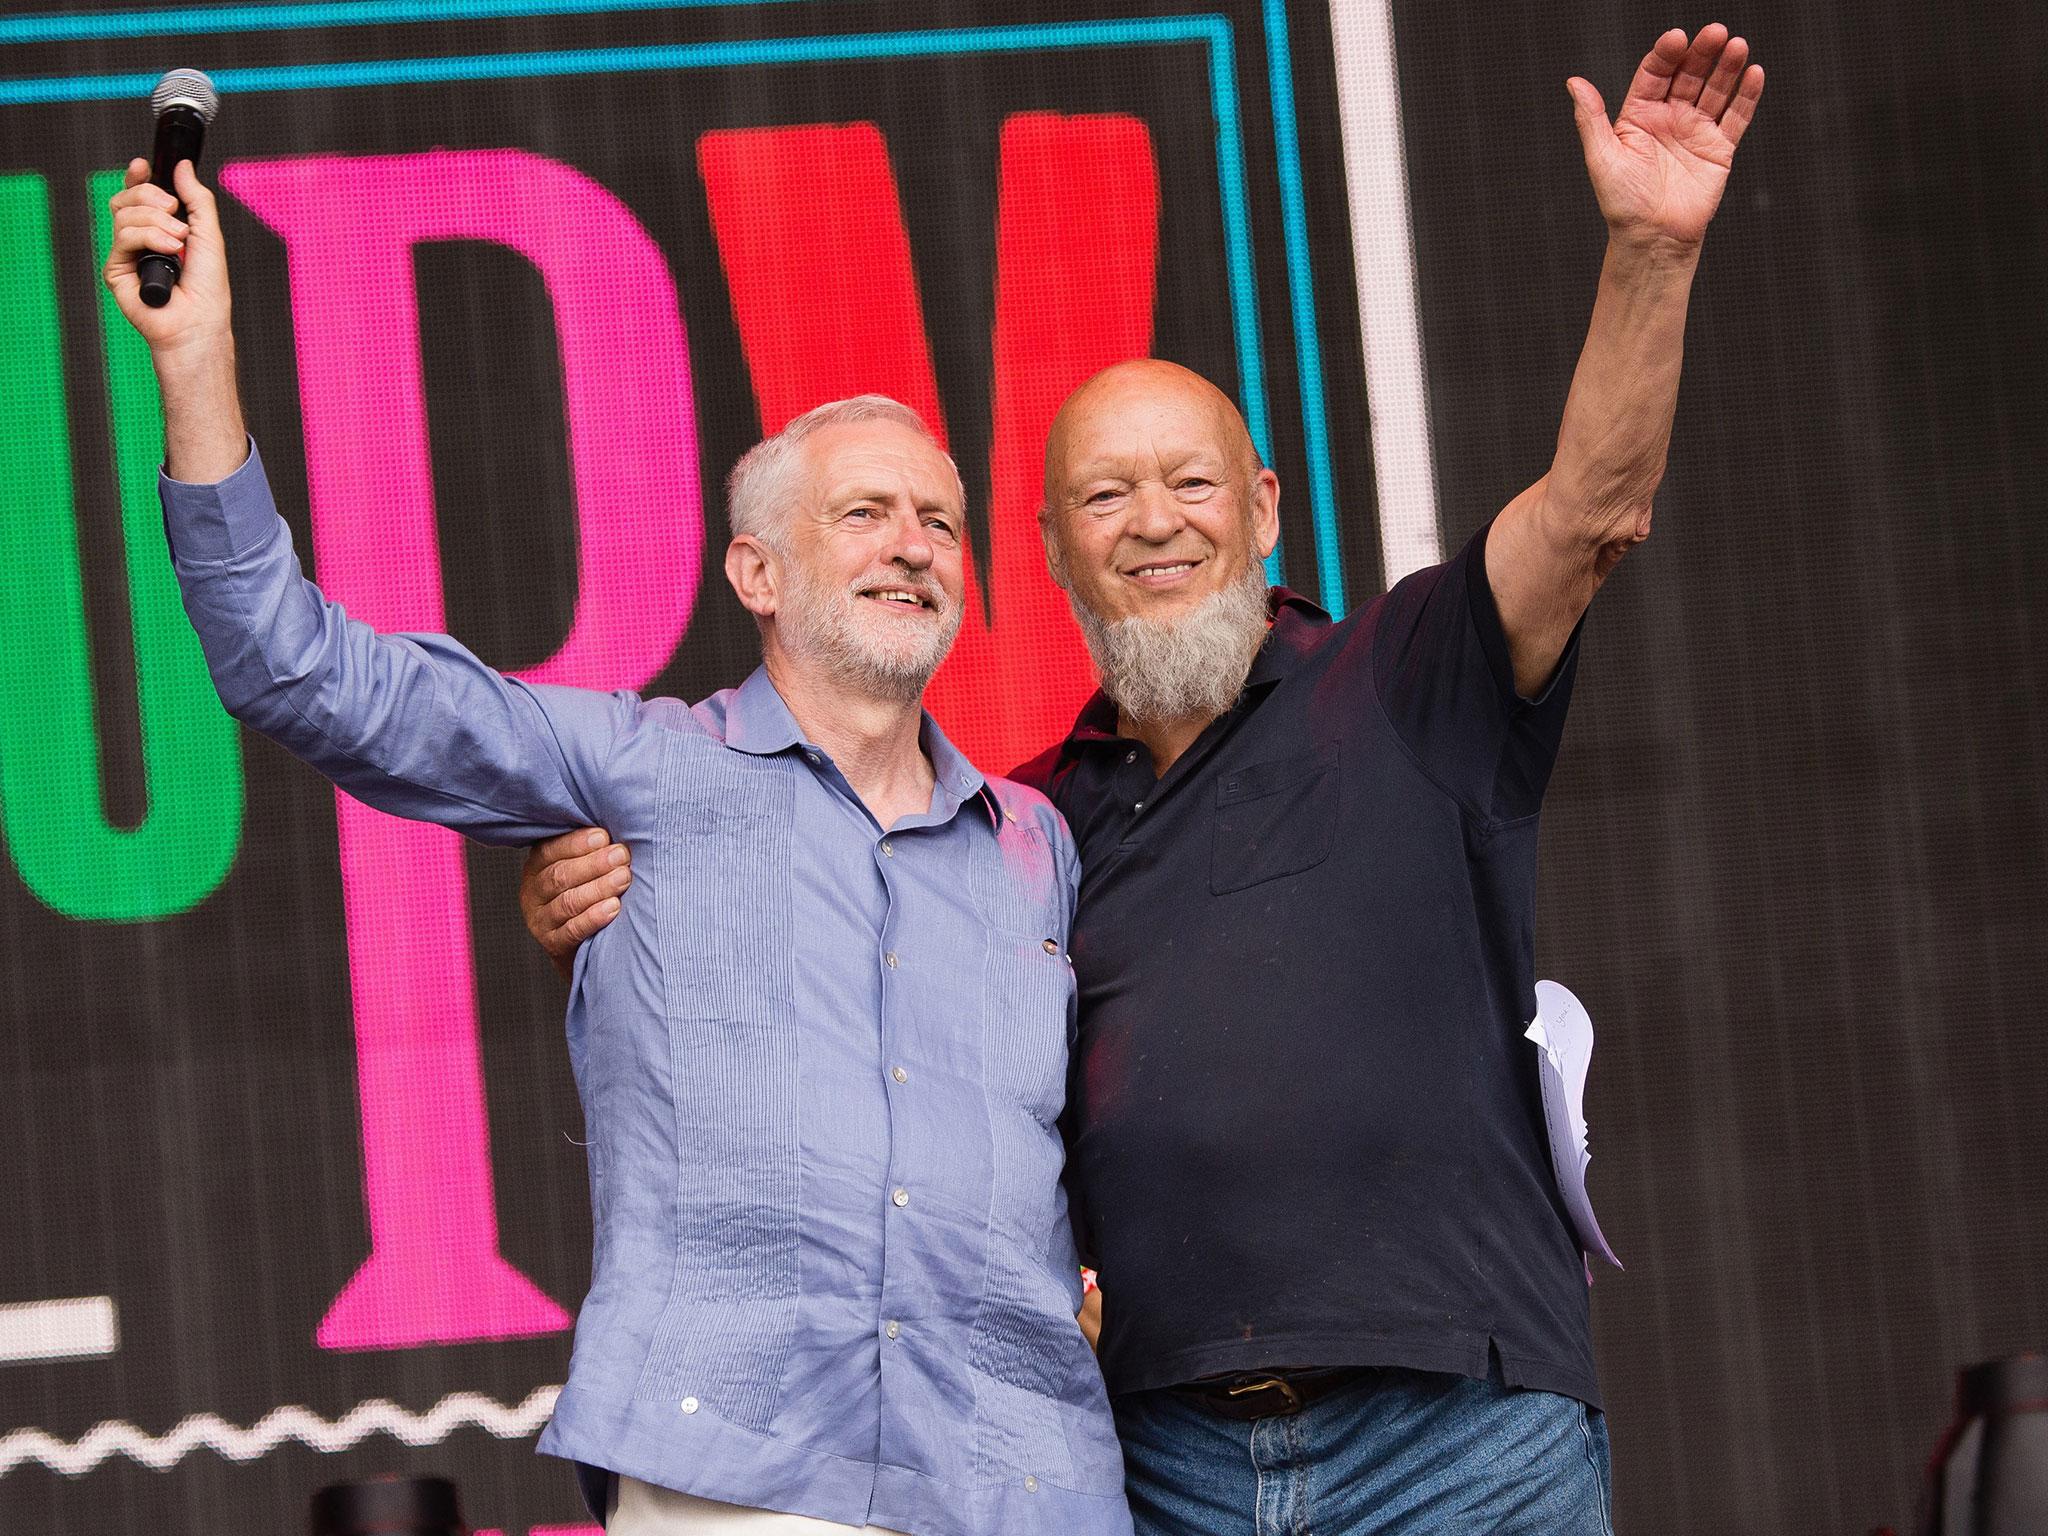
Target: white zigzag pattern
(116, 1437)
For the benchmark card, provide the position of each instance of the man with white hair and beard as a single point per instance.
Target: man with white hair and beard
(821, 1059)
(1306, 1144)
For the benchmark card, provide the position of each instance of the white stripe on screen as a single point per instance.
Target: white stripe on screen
(1383, 253)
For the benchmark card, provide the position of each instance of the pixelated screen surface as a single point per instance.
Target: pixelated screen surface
(289, 1130)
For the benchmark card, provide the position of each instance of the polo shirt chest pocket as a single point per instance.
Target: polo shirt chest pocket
(1274, 818)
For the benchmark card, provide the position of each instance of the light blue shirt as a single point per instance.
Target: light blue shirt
(821, 1064)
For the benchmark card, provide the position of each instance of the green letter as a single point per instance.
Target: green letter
(72, 858)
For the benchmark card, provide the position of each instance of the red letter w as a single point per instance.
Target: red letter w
(811, 233)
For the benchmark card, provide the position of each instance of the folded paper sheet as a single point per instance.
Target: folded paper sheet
(1563, 1033)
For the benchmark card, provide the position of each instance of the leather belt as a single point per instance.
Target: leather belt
(1268, 1394)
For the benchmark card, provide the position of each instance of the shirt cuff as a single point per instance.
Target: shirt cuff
(220, 520)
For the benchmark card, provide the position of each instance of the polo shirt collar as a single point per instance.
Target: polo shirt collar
(1296, 623)
(759, 723)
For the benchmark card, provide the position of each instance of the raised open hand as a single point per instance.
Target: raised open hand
(1659, 168)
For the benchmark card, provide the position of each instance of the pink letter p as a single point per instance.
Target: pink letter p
(434, 1274)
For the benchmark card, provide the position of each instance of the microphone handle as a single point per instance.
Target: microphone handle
(178, 134)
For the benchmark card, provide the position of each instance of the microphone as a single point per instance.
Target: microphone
(184, 102)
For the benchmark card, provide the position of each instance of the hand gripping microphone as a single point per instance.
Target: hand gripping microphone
(184, 102)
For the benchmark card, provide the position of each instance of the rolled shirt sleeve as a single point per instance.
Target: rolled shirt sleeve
(415, 725)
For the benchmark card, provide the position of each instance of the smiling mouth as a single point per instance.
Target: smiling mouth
(894, 597)
(1161, 570)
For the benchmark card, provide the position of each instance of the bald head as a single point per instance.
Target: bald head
(1117, 409)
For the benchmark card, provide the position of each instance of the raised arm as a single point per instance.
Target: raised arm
(412, 724)
(1658, 171)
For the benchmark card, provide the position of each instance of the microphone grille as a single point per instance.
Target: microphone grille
(186, 88)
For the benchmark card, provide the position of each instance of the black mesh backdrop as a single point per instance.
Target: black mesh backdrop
(1792, 850)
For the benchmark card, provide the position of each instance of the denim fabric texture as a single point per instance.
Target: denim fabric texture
(821, 1064)
(1403, 1453)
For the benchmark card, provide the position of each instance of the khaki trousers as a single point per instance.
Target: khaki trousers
(642, 1509)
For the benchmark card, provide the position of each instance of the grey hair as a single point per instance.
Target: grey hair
(761, 491)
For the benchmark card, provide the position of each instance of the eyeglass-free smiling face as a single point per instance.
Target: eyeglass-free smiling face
(1155, 499)
(871, 557)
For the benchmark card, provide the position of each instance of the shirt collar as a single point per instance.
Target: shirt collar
(957, 776)
(759, 722)
(1296, 623)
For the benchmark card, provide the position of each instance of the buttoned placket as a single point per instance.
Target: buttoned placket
(890, 851)
(1138, 787)
(886, 850)
(1136, 784)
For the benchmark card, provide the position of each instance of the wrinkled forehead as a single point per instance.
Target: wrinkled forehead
(879, 459)
(1130, 429)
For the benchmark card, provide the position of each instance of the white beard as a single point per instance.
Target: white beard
(1180, 669)
(877, 655)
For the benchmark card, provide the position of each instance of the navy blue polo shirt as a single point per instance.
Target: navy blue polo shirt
(1304, 1126)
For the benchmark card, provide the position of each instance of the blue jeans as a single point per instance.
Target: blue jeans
(1400, 1453)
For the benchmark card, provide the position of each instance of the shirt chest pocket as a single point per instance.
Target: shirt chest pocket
(1028, 983)
(1274, 818)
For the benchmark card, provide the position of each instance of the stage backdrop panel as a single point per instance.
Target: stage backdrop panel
(292, 1152)
(288, 1114)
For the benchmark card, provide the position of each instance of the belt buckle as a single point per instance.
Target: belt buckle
(1270, 1383)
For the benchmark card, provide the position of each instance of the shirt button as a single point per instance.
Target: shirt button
(901, 1197)
(812, 756)
(1138, 807)
(890, 959)
(1131, 756)
(1031, 1485)
(899, 1074)
(894, 1328)
(689, 1405)
(887, 851)
(1052, 946)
